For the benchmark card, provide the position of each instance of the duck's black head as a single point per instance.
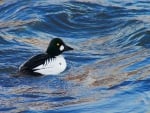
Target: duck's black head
(56, 47)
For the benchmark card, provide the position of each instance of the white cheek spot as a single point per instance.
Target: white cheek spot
(61, 48)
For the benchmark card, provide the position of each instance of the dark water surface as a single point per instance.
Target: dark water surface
(108, 72)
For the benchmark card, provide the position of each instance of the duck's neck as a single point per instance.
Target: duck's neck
(52, 52)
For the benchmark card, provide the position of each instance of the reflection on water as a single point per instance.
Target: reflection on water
(107, 72)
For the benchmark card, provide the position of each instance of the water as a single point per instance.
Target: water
(108, 72)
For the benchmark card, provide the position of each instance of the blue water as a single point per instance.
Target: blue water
(108, 72)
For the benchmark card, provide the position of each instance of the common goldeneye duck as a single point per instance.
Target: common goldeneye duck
(49, 63)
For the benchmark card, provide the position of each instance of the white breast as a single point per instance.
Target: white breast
(52, 66)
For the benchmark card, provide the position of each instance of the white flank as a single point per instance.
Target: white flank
(52, 66)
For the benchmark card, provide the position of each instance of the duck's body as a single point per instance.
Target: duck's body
(49, 63)
(52, 66)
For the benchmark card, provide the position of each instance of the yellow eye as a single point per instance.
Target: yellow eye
(57, 44)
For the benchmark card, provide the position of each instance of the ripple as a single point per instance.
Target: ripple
(110, 60)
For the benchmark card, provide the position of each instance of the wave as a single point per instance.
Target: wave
(70, 19)
(111, 56)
